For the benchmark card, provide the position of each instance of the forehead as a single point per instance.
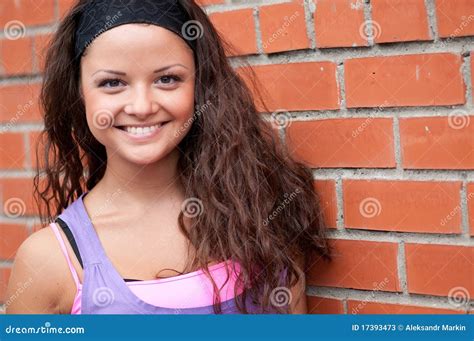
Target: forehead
(139, 43)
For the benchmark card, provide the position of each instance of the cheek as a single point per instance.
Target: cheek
(180, 104)
(100, 112)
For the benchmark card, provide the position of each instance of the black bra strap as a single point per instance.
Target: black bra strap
(72, 241)
(70, 237)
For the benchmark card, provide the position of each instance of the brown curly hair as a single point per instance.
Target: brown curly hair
(237, 168)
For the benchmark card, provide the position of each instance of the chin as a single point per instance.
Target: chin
(145, 160)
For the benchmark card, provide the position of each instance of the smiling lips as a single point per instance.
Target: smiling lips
(142, 130)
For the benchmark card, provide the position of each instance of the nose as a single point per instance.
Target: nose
(142, 104)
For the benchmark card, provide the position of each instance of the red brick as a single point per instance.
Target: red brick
(19, 103)
(355, 142)
(409, 80)
(283, 27)
(12, 150)
(440, 269)
(405, 206)
(472, 69)
(455, 18)
(37, 146)
(296, 86)
(29, 12)
(363, 307)
(238, 29)
(11, 236)
(17, 197)
(326, 191)
(399, 20)
(438, 142)
(470, 205)
(41, 47)
(357, 264)
(4, 277)
(339, 23)
(16, 56)
(322, 305)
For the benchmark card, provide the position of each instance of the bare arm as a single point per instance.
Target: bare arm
(34, 286)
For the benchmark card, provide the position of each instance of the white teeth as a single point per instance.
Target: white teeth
(141, 130)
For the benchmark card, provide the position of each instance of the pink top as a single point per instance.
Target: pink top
(193, 289)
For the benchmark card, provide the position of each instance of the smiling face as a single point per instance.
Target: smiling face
(134, 77)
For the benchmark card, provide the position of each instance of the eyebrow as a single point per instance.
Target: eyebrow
(156, 71)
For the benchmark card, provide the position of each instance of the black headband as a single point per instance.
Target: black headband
(99, 16)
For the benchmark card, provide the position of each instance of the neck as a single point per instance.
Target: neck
(135, 187)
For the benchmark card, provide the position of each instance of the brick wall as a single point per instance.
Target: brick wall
(375, 95)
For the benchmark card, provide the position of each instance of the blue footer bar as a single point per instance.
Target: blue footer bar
(237, 327)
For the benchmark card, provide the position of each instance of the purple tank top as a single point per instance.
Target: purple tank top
(101, 278)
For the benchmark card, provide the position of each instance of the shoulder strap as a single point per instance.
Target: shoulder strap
(71, 239)
(73, 244)
(78, 228)
(64, 250)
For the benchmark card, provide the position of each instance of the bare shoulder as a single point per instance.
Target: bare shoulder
(37, 277)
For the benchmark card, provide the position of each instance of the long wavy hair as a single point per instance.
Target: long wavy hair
(259, 204)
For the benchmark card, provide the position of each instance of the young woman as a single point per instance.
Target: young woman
(157, 163)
